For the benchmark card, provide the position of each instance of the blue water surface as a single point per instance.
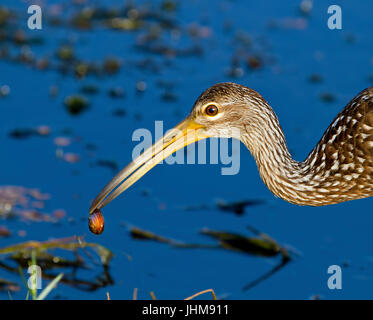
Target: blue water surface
(294, 47)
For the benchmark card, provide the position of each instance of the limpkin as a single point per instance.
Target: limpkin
(338, 169)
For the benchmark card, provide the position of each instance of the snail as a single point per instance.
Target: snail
(96, 222)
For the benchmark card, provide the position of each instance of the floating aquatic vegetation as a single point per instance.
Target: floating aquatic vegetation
(23, 133)
(5, 15)
(237, 207)
(65, 53)
(19, 255)
(148, 64)
(305, 7)
(144, 235)
(141, 234)
(9, 286)
(315, 78)
(76, 104)
(25, 204)
(127, 24)
(4, 90)
(119, 112)
(19, 37)
(116, 92)
(42, 63)
(327, 97)
(112, 165)
(165, 84)
(198, 31)
(111, 65)
(169, 5)
(90, 16)
(129, 17)
(83, 18)
(152, 33)
(81, 70)
(71, 157)
(243, 39)
(259, 245)
(350, 38)
(90, 146)
(254, 62)
(62, 141)
(248, 54)
(59, 213)
(66, 61)
(169, 96)
(11, 196)
(5, 232)
(154, 21)
(141, 86)
(89, 89)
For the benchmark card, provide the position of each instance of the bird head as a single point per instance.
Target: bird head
(224, 110)
(227, 110)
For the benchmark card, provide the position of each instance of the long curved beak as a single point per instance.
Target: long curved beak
(185, 133)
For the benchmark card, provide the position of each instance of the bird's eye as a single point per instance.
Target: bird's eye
(211, 110)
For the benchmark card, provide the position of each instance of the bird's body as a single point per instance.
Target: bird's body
(338, 169)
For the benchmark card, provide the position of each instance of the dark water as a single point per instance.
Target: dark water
(291, 47)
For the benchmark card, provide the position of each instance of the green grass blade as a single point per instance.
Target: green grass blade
(49, 287)
(33, 263)
(20, 271)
